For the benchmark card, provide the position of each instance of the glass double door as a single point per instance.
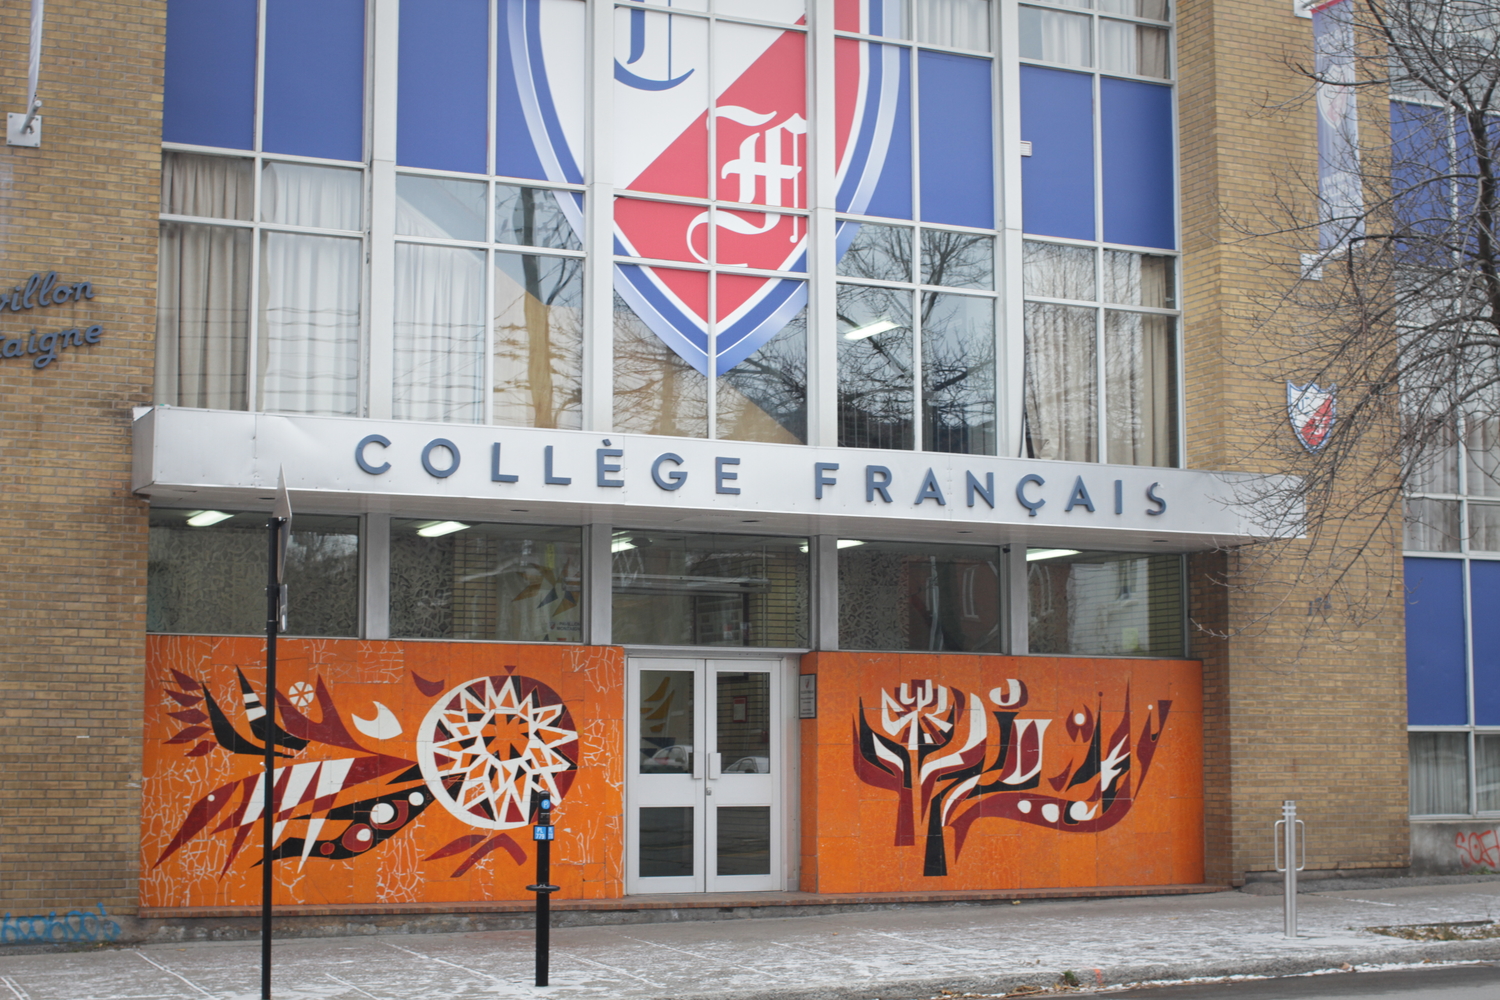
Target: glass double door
(704, 810)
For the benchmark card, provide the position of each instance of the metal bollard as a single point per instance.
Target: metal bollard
(543, 833)
(1285, 847)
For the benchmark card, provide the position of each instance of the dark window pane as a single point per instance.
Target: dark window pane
(743, 724)
(454, 580)
(207, 574)
(1104, 603)
(744, 840)
(928, 597)
(667, 842)
(958, 374)
(672, 588)
(875, 368)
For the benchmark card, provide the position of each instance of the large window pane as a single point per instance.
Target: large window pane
(668, 722)
(298, 194)
(875, 367)
(439, 334)
(535, 218)
(672, 588)
(764, 397)
(1484, 527)
(440, 207)
(961, 24)
(206, 573)
(666, 842)
(656, 390)
(203, 316)
(1140, 388)
(1056, 37)
(1431, 525)
(1055, 271)
(958, 374)
(216, 187)
(538, 341)
(895, 595)
(1482, 440)
(958, 260)
(1061, 381)
(1435, 469)
(457, 580)
(1439, 773)
(1104, 603)
(309, 324)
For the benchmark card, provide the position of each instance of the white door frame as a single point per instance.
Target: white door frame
(695, 788)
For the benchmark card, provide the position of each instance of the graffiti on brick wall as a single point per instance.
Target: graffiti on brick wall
(75, 926)
(1480, 849)
(952, 757)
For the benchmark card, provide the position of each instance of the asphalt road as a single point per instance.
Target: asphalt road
(1462, 982)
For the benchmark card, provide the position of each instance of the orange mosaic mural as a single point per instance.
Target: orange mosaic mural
(411, 770)
(928, 772)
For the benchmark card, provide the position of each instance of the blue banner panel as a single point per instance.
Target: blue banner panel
(892, 194)
(1436, 686)
(442, 97)
(1057, 179)
(520, 86)
(957, 144)
(1140, 189)
(209, 91)
(315, 79)
(1484, 598)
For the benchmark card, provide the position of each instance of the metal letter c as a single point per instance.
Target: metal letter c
(363, 463)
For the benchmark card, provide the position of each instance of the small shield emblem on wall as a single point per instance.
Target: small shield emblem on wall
(1311, 410)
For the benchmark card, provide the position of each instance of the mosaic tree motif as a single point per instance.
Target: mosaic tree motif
(953, 757)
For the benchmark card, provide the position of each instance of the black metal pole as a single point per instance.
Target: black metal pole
(268, 804)
(542, 833)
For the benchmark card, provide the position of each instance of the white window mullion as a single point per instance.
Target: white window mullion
(380, 367)
(598, 272)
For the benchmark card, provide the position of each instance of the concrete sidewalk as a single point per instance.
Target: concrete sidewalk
(889, 954)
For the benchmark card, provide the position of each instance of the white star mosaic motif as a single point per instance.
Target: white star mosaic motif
(487, 751)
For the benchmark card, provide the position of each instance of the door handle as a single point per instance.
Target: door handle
(713, 766)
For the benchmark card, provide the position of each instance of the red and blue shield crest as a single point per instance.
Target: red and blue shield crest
(719, 113)
(1312, 410)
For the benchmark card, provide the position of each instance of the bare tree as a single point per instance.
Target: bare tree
(1387, 329)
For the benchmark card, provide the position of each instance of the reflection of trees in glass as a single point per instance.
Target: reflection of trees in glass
(538, 340)
(533, 218)
(1054, 271)
(656, 392)
(764, 397)
(958, 374)
(958, 260)
(875, 369)
(881, 253)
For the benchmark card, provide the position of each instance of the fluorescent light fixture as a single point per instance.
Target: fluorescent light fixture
(437, 529)
(621, 545)
(204, 518)
(849, 543)
(879, 326)
(1036, 555)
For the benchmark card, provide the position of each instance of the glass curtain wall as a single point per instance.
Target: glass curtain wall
(1452, 593)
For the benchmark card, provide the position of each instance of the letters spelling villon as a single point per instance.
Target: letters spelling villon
(45, 290)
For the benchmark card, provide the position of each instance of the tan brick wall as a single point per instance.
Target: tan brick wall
(73, 618)
(1314, 714)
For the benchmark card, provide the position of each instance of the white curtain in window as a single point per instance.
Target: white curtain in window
(1061, 380)
(298, 194)
(439, 334)
(962, 24)
(309, 324)
(1131, 48)
(202, 316)
(1439, 773)
(218, 187)
(1138, 388)
(1054, 36)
